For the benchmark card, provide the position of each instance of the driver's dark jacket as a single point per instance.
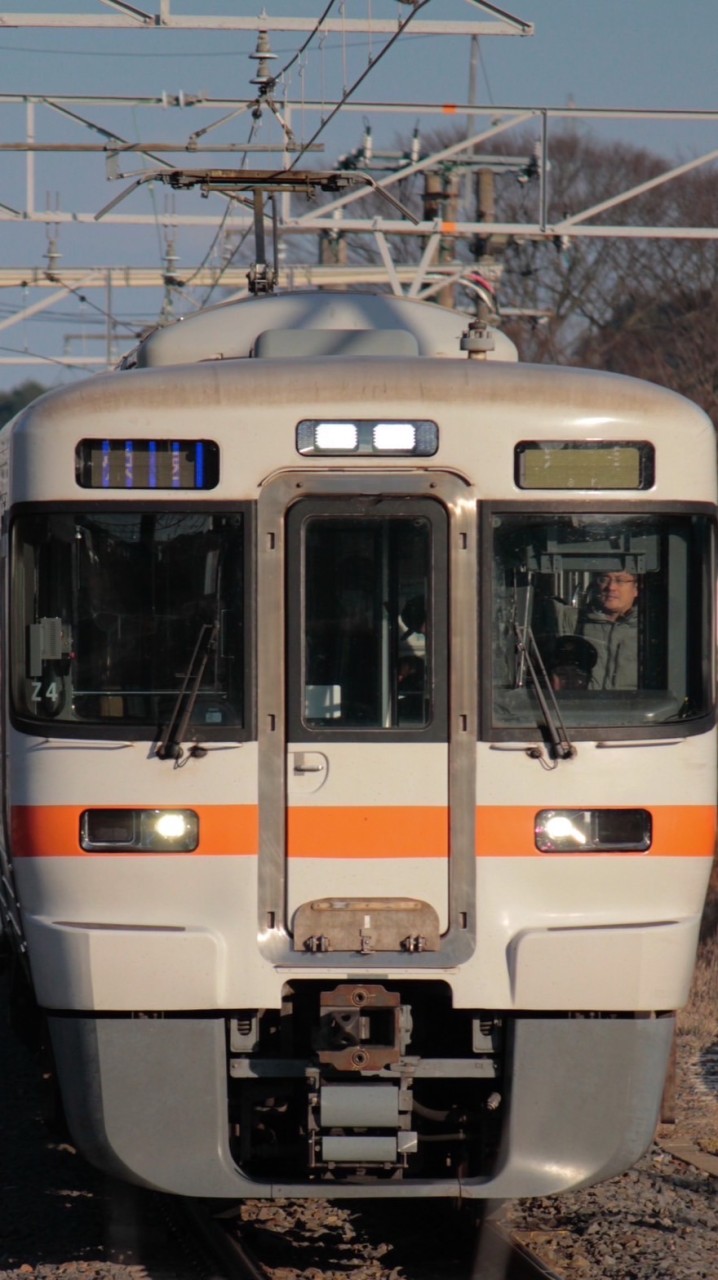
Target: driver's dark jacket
(615, 642)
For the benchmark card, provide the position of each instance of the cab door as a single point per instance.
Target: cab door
(367, 835)
(359, 745)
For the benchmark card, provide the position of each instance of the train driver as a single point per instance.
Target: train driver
(609, 621)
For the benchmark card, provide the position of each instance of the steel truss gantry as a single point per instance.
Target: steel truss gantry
(338, 216)
(484, 125)
(196, 125)
(131, 17)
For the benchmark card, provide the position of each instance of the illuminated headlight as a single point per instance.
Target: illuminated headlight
(336, 437)
(368, 437)
(593, 830)
(395, 437)
(171, 826)
(139, 830)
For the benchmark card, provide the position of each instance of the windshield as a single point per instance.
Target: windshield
(617, 610)
(360, 671)
(367, 616)
(108, 608)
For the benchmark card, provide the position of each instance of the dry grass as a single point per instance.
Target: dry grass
(709, 924)
(697, 1038)
(699, 1020)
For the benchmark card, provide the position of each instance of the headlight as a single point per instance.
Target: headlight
(593, 830)
(366, 437)
(139, 830)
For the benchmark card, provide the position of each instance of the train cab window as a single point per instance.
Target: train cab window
(606, 618)
(367, 644)
(109, 607)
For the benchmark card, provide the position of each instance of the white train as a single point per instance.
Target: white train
(358, 752)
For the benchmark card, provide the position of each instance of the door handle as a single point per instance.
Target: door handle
(309, 770)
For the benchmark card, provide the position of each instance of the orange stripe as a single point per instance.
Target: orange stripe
(449, 228)
(46, 831)
(678, 831)
(449, 109)
(42, 831)
(381, 832)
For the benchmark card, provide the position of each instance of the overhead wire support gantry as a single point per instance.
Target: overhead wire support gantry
(133, 18)
(251, 206)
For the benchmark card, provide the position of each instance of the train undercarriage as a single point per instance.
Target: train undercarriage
(359, 1080)
(361, 1089)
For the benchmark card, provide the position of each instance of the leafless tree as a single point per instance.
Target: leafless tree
(648, 307)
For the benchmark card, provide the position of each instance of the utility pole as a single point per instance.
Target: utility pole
(441, 203)
(488, 250)
(333, 246)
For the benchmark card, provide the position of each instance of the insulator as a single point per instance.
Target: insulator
(263, 56)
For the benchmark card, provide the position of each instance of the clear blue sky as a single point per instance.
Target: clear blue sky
(613, 53)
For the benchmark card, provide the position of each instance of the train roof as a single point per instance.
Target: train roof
(313, 323)
(398, 354)
(566, 395)
(253, 405)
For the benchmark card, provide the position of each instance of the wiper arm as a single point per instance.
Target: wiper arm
(170, 746)
(530, 657)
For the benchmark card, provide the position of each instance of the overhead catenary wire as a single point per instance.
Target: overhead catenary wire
(81, 297)
(226, 265)
(348, 93)
(97, 54)
(265, 92)
(337, 107)
(218, 233)
(39, 355)
(305, 43)
(264, 95)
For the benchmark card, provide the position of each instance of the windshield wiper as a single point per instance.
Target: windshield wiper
(531, 660)
(170, 746)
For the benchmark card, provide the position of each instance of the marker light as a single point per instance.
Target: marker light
(139, 830)
(593, 830)
(367, 437)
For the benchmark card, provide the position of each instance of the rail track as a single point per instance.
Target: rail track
(62, 1218)
(494, 1252)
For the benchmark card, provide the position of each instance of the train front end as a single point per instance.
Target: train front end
(359, 765)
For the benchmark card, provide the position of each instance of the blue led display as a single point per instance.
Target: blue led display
(147, 464)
